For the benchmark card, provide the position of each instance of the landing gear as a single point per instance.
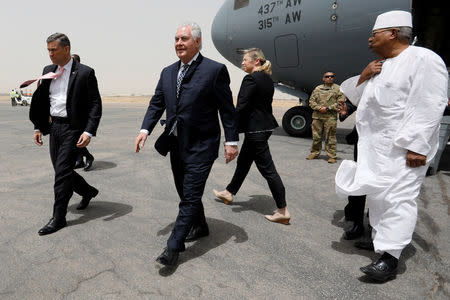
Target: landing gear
(297, 121)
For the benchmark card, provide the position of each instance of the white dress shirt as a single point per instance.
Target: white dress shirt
(58, 92)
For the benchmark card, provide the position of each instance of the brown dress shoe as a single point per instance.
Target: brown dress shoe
(312, 156)
(225, 196)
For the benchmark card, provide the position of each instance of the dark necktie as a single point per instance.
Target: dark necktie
(183, 72)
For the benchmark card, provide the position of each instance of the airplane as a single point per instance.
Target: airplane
(306, 38)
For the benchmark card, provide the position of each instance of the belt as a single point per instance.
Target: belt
(60, 120)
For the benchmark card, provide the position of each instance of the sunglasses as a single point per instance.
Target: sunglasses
(329, 76)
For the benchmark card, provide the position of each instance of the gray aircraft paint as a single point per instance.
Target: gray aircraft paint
(302, 38)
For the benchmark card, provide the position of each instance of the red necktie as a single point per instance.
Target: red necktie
(49, 75)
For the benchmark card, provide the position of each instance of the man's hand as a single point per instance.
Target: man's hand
(230, 153)
(83, 141)
(415, 160)
(140, 141)
(372, 69)
(323, 110)
(37, 138)
(342, 109)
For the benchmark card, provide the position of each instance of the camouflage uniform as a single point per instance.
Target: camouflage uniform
(329, 97)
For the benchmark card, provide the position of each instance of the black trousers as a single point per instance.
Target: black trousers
(63, 153)
(256, 149)
(354, 210)
(190, 180)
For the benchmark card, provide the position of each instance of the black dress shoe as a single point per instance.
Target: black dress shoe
(52, 226)
(365, 245)
(79, 164)
(197, 232)
(355, 232)
(168, 257)
(86, 199)
(382, 270)
(89, 161)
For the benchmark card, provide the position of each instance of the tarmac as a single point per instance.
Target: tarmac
(108, 251)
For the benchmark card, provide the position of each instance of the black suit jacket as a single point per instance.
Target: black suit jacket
(352, 137)
(447, 111)
(254, 105)
(204, 92)
(84, 105)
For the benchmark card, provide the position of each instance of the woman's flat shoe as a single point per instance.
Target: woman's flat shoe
(225, 197)
(278, 218)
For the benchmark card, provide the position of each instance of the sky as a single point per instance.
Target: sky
(127, 43)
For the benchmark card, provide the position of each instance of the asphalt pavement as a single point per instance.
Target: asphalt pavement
(108, 251)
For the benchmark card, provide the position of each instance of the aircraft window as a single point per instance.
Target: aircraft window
(240, 4)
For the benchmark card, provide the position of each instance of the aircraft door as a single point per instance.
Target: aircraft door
(286, 51)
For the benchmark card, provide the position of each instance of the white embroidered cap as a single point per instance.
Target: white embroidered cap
(394, 18)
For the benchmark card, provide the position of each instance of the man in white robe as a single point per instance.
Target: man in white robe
(400, 99)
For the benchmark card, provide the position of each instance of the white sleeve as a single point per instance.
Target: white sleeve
(425, 106)
(353, 92)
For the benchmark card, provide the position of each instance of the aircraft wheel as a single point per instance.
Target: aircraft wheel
(297, 121)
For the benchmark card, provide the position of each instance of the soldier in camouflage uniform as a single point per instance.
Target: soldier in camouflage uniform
(324, 101)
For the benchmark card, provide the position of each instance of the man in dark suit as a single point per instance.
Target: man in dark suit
(68, 107)
(191, 91)
(83, 152)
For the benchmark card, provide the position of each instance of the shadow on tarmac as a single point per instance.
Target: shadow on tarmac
(99, 209)
(346, 247)
(102, 165)
(220, 232)
(262, 204)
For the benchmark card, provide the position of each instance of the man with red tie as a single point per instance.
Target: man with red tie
(66, 105)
